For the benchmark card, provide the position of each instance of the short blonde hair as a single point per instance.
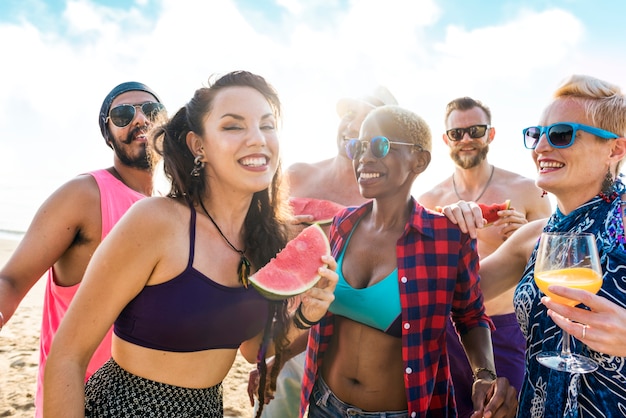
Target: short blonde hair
(604, 102)
(412, 127)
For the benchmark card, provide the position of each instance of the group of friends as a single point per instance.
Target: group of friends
(417, 313)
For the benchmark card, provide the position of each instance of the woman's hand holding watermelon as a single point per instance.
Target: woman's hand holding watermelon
(313, 306)
(315, 301)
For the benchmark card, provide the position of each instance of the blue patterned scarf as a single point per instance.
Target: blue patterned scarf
(549, 393)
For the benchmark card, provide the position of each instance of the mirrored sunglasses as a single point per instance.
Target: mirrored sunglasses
(561, 135)
(474, 131)
(379, 146)
(124, 114)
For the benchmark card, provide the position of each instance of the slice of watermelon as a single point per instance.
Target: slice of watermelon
(322, 210)
(294, 269)
(490, 212)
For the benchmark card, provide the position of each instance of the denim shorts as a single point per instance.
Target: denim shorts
(324, 404)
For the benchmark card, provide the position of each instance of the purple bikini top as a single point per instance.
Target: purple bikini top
(191, 312)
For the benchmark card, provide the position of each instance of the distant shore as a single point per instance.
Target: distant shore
(10, 236)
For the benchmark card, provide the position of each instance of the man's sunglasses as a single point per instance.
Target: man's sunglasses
(124, 114)
(474, 131)
(561, 135)
(379, 146)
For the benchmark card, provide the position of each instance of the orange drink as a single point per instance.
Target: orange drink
(575, 278)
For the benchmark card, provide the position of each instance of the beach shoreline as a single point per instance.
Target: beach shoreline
(19, 357)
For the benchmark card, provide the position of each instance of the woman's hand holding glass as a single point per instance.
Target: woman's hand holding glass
(603, 326)
(571, 261)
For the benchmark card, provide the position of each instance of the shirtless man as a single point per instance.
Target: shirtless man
(331, 179)
(73, 221)
(468, 135)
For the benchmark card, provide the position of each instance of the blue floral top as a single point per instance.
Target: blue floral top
(550, 393)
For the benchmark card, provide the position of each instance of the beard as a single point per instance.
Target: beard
(144, 160)
(469, 162)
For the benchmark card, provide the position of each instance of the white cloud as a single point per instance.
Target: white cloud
(54, 79)
(295, 7)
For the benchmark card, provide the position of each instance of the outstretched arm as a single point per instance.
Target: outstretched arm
(503, 269)
(52, 236)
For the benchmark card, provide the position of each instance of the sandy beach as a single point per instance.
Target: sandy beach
(19, 355)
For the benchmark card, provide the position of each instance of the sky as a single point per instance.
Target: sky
(61, 57)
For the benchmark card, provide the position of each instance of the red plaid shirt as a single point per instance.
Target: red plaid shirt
(438, 277)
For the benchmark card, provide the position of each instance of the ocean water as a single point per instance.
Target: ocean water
(18, 205)
(20, 201)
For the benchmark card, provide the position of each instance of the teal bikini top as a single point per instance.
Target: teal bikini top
(377, 306)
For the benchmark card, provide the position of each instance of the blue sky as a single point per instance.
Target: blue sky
(60, 58)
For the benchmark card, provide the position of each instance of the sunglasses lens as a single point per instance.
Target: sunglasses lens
(561, 135)
(122, 115)
(152, 109)
(531, 137)
(379, 146)
(455, 134)
(477, 131)
(353, 148)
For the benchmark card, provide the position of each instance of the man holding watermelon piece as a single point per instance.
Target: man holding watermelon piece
(316, 189)
(508, 201)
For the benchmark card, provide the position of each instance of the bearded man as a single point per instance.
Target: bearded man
(468, 135)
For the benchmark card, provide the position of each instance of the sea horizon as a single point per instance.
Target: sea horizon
(11, 235)
(18, 205)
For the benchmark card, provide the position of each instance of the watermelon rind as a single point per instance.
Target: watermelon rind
(294, 270)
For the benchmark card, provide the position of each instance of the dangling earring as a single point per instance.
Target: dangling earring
(198, 165)
(544, 193)
(608, 193)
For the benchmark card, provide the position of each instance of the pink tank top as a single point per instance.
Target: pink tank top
(115, 199)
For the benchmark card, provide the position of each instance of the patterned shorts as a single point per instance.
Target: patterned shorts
(114, 392)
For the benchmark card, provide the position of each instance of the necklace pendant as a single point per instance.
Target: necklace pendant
(244, 271)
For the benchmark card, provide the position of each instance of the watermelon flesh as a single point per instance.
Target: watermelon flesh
(490, 212)
(323, 211)
(294, 270)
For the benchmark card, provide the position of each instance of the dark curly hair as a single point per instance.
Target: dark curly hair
(265, 225)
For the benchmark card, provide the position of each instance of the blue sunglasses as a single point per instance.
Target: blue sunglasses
(561, 135)
(379, 146)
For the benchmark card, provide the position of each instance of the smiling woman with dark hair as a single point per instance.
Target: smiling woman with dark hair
(172, 275)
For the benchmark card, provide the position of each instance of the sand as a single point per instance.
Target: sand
(19, 355)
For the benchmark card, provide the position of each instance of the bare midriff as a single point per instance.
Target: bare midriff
(200, 369)
(363, 367)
